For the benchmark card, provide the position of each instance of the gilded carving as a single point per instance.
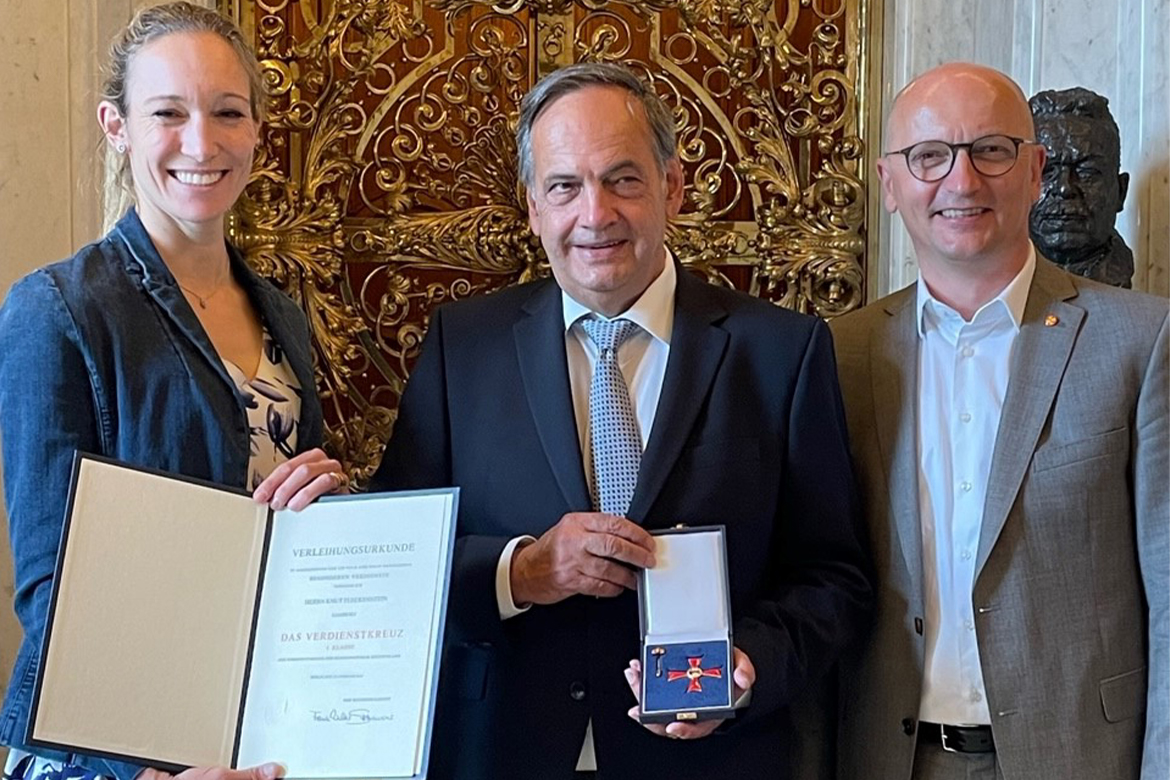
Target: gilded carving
(386, 184)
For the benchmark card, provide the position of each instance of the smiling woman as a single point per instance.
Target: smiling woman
(187, 126)
(156, 345)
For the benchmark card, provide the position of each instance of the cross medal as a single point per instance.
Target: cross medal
(694, 673)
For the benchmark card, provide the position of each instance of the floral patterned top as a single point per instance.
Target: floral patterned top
(274, 410)
(274, 407)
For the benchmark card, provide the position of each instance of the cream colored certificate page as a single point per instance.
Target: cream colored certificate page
(341, 668)
(150, 635)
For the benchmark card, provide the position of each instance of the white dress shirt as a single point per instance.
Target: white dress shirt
(642, 359)
(963, 372)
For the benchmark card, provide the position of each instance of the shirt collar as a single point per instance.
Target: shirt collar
(653, 312)
(1012, 298)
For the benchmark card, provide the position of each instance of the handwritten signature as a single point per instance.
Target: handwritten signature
(358, 717)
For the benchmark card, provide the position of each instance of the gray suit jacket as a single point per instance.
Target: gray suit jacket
(1072, 582)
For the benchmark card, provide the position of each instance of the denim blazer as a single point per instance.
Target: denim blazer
(102, 353)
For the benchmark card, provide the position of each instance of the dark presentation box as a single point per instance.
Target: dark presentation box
(685, 612)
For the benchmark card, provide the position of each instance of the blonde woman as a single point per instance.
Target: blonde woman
(156, 345)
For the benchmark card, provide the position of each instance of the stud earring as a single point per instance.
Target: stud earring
(120, 148)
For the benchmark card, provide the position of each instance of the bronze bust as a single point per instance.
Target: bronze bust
(1083, 188)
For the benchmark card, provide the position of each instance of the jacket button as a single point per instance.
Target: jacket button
(577, 691)
(908, 726)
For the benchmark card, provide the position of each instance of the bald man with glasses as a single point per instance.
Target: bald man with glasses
(1009, 429)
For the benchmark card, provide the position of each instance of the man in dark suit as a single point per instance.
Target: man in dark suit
(733, 413)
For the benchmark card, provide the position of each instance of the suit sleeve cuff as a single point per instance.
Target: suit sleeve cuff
(508, 608)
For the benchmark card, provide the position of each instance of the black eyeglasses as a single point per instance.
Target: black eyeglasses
(991, 155)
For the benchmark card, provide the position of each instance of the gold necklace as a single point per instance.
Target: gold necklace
(203, 299)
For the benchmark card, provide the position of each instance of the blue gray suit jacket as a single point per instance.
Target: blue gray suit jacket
(102, 353)
(748, 432)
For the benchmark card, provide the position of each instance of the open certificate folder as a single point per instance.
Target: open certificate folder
(191, 626)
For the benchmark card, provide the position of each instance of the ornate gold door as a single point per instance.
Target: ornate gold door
(386, 181)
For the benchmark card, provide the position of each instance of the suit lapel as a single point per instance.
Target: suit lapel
(544, 371)
(160, 284)
(696, 349)
(894, 352)
(1041, 353)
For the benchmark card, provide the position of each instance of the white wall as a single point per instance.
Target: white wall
(1117, 49)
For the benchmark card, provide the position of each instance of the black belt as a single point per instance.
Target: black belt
(957, 739)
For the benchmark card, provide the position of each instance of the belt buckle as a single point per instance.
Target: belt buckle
(942, 730)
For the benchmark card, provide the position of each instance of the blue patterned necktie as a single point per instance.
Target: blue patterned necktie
(613, 429)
